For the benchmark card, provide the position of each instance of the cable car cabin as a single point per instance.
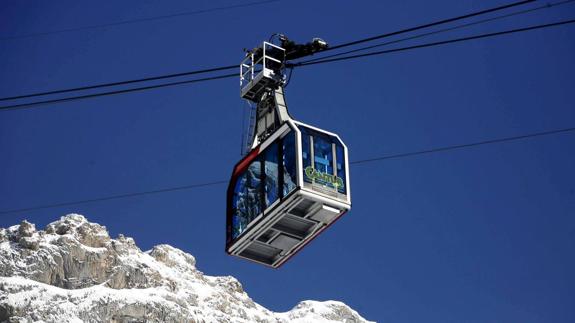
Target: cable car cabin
(285, 192)
(294, 183)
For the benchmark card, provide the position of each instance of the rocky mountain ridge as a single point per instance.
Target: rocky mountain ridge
(72, 271)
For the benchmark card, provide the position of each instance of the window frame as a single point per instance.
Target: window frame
(309, 135)
(258, 155)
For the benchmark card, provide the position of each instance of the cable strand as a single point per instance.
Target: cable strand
(443, 42)
(146, 79)
(88, 87)
(517, 13)
(357, 162)
(89, 96)
(126, 22)
(436, 23)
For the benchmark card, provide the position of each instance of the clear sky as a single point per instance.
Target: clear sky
(482, 234)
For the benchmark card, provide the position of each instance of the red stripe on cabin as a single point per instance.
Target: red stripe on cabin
(245, 163)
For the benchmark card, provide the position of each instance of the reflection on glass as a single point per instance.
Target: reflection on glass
(340, 158)
(246, 198)
(272, 177)
(321, 170)
(289, 163)
(250, 199)
(323, 158)
(306, 151)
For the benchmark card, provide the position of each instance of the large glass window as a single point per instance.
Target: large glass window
(341, 171)
(321, 153)
(289, 163)
(247, 201)
(271, 156)
(306, 151)
(263, 182)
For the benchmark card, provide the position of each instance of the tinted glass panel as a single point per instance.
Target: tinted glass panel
(306, 151)
(340, 168)
(322, 171)
(272, 177)
(289, 163)
(247, 201)
(323, 154)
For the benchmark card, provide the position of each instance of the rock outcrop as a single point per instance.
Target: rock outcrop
(72, 271)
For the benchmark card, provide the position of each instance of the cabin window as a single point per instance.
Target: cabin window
(306, 151)
(289, 163)
(246, 201)
(263, 182)
(323, 160)
(271, 157)
(340, 167)
(323, 157)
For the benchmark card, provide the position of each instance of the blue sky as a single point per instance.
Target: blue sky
(483, 234)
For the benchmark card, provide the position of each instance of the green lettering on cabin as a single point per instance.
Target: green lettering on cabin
(314, 174)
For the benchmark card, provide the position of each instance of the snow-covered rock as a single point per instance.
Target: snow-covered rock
(74, 272)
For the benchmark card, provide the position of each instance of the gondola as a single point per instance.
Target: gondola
(294, 181)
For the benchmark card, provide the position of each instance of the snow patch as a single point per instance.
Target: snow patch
(74, 272)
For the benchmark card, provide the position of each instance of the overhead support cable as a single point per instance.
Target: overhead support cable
(356, 162)
(95, 95)
(432, 44)
(229, 67)
(299, 64)
(133, 21)
(440, 31)
(115, 197)
(455, 147)
(103, 85)
(436, 23)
